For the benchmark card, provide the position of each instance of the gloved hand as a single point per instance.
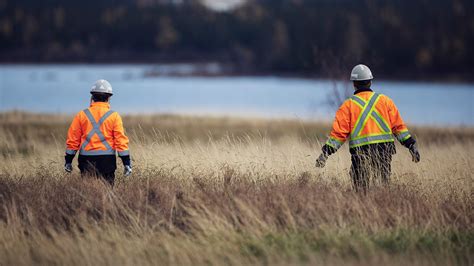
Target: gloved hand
(321, 161)
(415, 154)
(127, 170)
(68, 167)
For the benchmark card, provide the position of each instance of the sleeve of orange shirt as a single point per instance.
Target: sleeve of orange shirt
(399, 128)
(74, 136)
(120, 139)
(341, 128)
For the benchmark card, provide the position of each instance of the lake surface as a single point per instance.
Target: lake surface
(65, 89)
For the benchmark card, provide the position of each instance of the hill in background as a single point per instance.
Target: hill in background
(402, 39)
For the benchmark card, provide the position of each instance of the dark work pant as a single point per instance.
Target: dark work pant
(371, 163)
(100, 166)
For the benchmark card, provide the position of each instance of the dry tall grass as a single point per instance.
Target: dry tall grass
(231, 191)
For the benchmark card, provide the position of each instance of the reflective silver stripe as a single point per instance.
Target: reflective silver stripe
(381, 122)
(370, 139)
(358, 100)
(334, 143)
(365, 114)
(71, 152)
(377, 117)
(124, 153)
(403, 136)
(98, 152)
(96, 130)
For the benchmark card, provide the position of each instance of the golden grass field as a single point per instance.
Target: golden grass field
(231, 191)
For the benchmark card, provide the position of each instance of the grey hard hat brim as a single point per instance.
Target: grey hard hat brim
(361, 72)
(102, 86)
(94, 92)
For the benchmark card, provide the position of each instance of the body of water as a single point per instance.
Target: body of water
(65, 89)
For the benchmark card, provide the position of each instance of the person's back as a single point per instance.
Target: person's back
(97, 133)
(368, 120)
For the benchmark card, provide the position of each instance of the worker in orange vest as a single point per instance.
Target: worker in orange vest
(97, 134)
(368, 120)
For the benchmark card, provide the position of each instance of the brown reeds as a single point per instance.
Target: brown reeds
(223, 191)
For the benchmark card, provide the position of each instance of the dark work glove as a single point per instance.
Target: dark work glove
(321, 161)
(127, 165)
(415, 154)
(68, 167)
(127, 170)
(68, 164)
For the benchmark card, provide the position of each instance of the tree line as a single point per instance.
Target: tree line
(402, 39)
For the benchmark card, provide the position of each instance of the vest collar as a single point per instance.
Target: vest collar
(361, 90)
(100, 104)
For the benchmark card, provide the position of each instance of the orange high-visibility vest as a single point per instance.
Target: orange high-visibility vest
(367, 118)
(97, 130)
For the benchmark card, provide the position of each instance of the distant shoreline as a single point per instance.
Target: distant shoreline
(227, 70)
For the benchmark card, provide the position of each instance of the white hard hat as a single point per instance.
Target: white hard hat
(361, 72)
(102, 86)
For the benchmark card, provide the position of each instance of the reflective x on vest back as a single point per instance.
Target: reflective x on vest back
(96, 130)
(369, 111)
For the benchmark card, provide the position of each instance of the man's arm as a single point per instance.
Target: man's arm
(340, 131)
(400, 130)
(73, 141)
(121, 144)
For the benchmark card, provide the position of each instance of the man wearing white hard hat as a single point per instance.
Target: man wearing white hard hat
(97, 134)
(370, 121)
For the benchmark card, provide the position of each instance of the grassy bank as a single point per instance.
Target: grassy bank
(231, 191)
